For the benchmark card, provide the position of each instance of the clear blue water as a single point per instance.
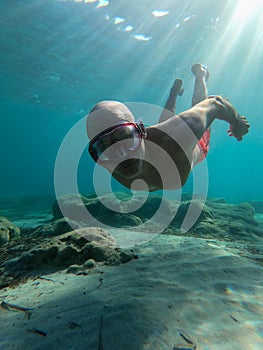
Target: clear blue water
(58, 58)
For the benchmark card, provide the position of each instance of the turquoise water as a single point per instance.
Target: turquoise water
(58, 58)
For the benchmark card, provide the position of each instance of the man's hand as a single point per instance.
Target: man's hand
(239, 129)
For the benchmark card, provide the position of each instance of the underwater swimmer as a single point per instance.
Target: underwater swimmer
(159, 156)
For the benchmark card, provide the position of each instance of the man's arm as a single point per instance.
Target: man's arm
(187, 128)
(201, 116)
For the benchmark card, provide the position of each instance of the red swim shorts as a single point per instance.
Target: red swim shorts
(204, 145)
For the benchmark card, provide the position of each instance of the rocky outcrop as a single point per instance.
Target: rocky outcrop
(74, 243)
(8, 230)
(77, 251)
(216, 217)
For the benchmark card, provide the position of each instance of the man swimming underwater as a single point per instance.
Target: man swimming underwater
(159, 156)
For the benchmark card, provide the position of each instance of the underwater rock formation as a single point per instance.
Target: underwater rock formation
(78, 245)
(257, 205)
(217, 218)
(8, 230)
(70, 248)
(82, 248)
(118, 211)
(57, 227)
(228, 222)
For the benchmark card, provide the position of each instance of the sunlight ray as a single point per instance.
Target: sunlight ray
(236, 33)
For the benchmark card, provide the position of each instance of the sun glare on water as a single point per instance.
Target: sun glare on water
(244, 26)
(247, 8)
(245, 14)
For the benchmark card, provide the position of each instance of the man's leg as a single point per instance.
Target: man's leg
(169, 108)
(201, 75)
(200, 93)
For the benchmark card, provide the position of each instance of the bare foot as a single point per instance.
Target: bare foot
(177, 88)
(199, 70)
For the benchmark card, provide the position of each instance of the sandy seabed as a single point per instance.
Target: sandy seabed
(180, 293)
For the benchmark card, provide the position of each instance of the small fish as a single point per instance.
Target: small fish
(37, 331)
(233, 318)
(186, 337)
(10, 307)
